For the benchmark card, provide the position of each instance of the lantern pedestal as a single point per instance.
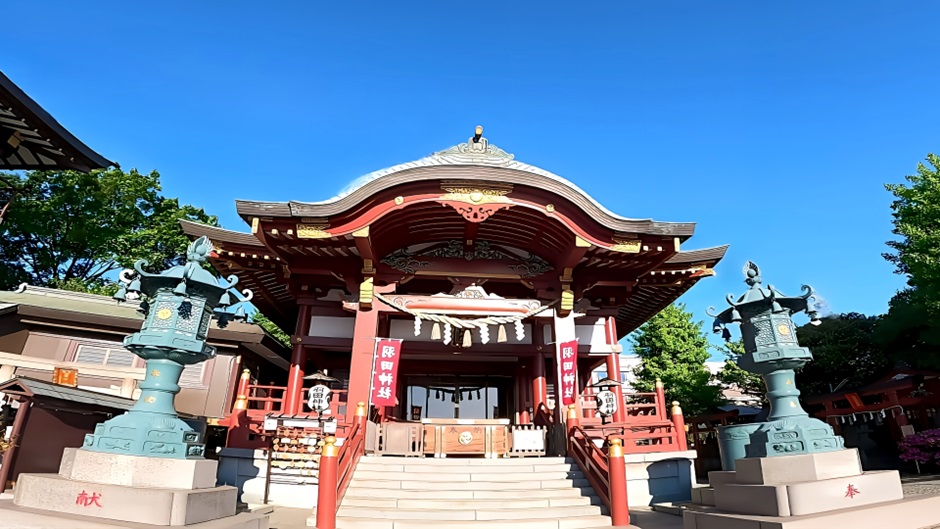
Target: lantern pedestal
(807, 491)
(151, 427)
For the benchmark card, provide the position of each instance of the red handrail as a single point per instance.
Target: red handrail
(337, 468)
(591, 460)
(347, 459)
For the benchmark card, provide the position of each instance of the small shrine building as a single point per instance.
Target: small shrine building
(485, 268)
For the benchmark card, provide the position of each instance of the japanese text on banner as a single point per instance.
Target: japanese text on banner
(568, 360)
(385, 372)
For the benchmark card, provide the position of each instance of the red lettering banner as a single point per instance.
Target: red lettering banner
(568, 368)
(385, 371)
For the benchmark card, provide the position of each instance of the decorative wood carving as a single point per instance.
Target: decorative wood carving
(476, 204)
(626, 245)
(313, 231)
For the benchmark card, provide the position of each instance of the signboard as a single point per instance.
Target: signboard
(568, 363)
(606, 403)
(318, 398)
(385, 371)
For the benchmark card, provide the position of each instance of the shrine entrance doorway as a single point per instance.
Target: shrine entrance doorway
(457, 397)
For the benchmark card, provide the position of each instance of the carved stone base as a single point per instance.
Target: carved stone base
(137, 471)
(797, 435)
(152, 435)
(51, 492)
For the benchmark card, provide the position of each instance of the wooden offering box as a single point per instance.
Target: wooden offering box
(486, 437)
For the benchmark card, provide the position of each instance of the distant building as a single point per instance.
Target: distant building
(629, 363)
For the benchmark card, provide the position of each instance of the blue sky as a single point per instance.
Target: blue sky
(772, 125)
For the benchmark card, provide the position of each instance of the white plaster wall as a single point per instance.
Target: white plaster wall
(332, 326)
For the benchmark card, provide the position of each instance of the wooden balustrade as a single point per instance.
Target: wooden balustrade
(337, 466)
(605, 472)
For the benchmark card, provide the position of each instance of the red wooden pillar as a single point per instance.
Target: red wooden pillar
(678, 421)
(613, 373)
(326, 485)
(524, 387)
(360, 362)
(294, 395)
(539, 386)
(19, 422)
(617, 484)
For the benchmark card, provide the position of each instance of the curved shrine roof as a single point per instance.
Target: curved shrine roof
(529, 230)
(33, 139)
(463, 164)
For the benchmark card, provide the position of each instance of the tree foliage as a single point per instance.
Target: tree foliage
(734, 377)
(262, 321)
(674, 349)
(843, 347)
(911, 328)
(70, 229)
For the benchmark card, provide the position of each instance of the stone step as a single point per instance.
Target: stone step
(468, 514)
(468, 485)
(577, 522)
(465, 469)
(520, 502)
(457, 461)
(467, 476)
(565, 491)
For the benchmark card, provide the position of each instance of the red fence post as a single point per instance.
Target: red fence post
(361, 416)
(617, 484)
(660, 400)
(326, 485)
(241, 394)
(679, 422)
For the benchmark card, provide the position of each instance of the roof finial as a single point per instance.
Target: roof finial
(478, 134)
(477, 144)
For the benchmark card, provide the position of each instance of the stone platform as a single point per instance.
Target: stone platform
(155, 506)
(134, 489)
(807, 491)
(14, 517)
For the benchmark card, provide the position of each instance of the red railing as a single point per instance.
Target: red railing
(271, 398)
(591, 460)
(607, 473)
(337, 467)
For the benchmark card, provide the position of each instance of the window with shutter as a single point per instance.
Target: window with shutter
(89, 354)
(112, 355)
(192, 376)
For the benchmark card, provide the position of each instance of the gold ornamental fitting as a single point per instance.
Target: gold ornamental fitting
(616, 448)
(676, 410)
(330, 449)
(572, 411)
(479, 130)
(361, 409)
(246, 374)
(659, 383)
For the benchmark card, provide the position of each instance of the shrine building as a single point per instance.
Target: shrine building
(479, 263)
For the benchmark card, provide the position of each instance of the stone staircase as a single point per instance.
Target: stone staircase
(412, 493)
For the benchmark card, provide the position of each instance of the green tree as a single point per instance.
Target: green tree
(844, 348)
(911, 329)
(734, 377)
(262, 321)
(72, 230)
(674, 349)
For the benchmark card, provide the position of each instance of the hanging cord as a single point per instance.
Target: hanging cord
(462, 323)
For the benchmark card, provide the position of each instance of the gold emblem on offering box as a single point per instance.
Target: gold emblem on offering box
(164, 314)
(465, 438)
